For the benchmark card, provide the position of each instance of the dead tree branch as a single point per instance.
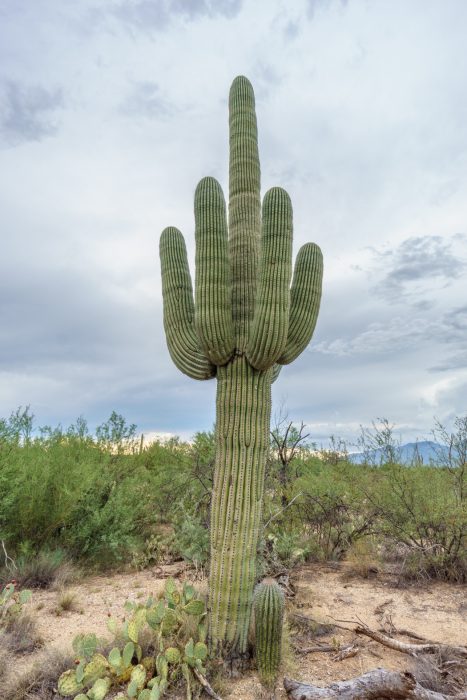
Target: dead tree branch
(205, 683)
(378, 684)
(411, 649)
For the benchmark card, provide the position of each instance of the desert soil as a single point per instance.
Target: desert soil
(328, 594)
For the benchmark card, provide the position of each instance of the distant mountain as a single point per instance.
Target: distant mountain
(425, 452)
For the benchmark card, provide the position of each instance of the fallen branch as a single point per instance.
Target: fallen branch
(205, 683)
(315, 648)
(346, 652)
(378, 684)
(412, 635)
(325, 648)
(411, 649)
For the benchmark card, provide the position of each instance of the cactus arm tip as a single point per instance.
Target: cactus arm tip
(178, 304)
(213, 312)
(271, 318)
(305, 299)
(244, 206)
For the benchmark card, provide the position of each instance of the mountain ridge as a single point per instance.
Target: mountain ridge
(424, 452)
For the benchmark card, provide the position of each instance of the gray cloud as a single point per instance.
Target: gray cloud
(457, 319)
(381, 338)
(455, 335)
(157, 16)
(453, 362)
(400, 334)
(146, 99)
(291, 30)
(44, 312)
(27, 113)
(314, 5)
(364, 160)
(414, 264)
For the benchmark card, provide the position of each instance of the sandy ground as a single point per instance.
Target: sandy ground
(325, 593)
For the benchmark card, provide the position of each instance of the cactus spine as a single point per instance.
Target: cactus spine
(269, 616)
(243, 324)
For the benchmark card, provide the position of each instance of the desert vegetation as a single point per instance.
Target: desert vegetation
(74, 501)
(74, 504)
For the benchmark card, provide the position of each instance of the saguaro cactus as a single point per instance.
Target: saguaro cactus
(244, 323)
(269, 619)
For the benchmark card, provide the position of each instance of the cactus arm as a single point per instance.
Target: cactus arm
(213, 312)
(271, 319)
(276, 370)
(305, 297)
(177, 296)
(244, 206)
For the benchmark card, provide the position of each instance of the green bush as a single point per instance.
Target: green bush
(419, 509)
(101, 498)
(107, 499)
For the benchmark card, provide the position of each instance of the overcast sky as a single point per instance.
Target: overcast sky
(110, 113)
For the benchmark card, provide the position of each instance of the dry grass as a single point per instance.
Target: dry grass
(66, 602)
(40, 683)
(46, 570)
(20, 634)
(5, 660)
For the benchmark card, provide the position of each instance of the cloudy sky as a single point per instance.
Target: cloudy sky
(110, 113)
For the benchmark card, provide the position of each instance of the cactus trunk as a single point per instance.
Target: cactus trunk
(246, 320)
(242, 433)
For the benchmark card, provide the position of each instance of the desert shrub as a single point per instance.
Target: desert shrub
(192, 539)
(158, 548)
(422, 510)
(419, 509)
(333, 508)
(42, 481)
(289, 445)
(279, 550)
(107, 522)
(285, 549)
(290, 548)
(106, 499)
(362, 558)
(97, 499)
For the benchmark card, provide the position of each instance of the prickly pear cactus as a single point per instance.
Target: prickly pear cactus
(269, 618)
(163, 623)
(68, 684)
(12, 602)
(246, 320)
